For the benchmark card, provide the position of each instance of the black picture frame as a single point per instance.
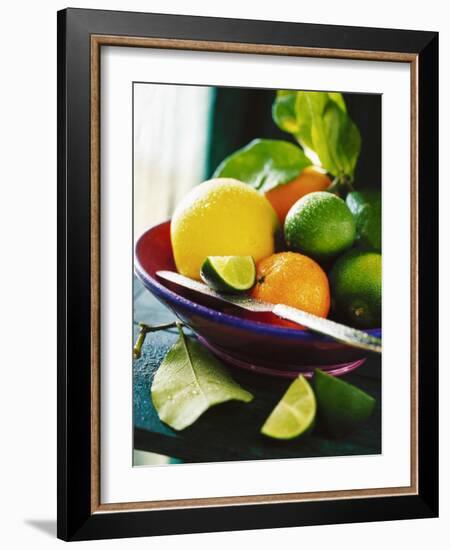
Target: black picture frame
(76, 518)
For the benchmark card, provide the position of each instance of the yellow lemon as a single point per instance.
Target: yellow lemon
(221, 217)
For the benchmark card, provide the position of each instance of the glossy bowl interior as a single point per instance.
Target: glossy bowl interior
(246, 340)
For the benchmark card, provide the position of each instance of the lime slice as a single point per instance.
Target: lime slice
(294, 414)
(342, 406)
(229, 273)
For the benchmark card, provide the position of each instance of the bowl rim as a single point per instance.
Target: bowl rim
(152, 284)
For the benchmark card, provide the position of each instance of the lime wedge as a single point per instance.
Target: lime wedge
(342, 406)
(229, 273)
(294, 414)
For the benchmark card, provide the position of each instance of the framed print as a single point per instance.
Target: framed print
(247, 252)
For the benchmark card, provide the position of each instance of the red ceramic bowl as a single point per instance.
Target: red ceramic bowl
(238, 337)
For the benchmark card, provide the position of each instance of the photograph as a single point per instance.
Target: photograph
(257, 284)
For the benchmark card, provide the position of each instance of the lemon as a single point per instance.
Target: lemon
(294, 414)
(221, 217)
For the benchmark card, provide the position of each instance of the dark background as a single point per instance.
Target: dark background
(242, 114)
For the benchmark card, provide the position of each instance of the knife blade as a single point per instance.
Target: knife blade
(337, 331)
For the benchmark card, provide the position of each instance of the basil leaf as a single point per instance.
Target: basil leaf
(264, 164)
(189, 381)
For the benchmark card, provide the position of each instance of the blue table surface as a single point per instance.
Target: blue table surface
(215, 436)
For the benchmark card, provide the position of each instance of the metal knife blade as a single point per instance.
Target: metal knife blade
(342, 333)
(243, 301)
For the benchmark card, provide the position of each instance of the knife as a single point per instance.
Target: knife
(337, 331)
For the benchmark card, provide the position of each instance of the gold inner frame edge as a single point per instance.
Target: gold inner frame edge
(97, 41)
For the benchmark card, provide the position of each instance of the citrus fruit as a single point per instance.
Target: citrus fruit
(366, 209)
(284, 196)
(229, 273)
(356, 288)
(294, 414)
(221, 217)
(341, 406)
(294, 280)
(320, 225)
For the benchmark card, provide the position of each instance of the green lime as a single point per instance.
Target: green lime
(294, 414)
(342, 406)
(229, 273)
(355, 282)
(320, 225)
(366, 208)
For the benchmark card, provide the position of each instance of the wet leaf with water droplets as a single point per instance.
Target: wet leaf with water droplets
(189, 381)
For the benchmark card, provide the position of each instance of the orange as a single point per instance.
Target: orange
(294, 280)
(284, 196)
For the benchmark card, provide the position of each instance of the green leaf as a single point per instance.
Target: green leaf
(264, 164)
(323, 128)
(343, 137)
(338, 99)
(320, 142)
(283, 111)
(189, 381)
(366, 208)
(304, 118)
